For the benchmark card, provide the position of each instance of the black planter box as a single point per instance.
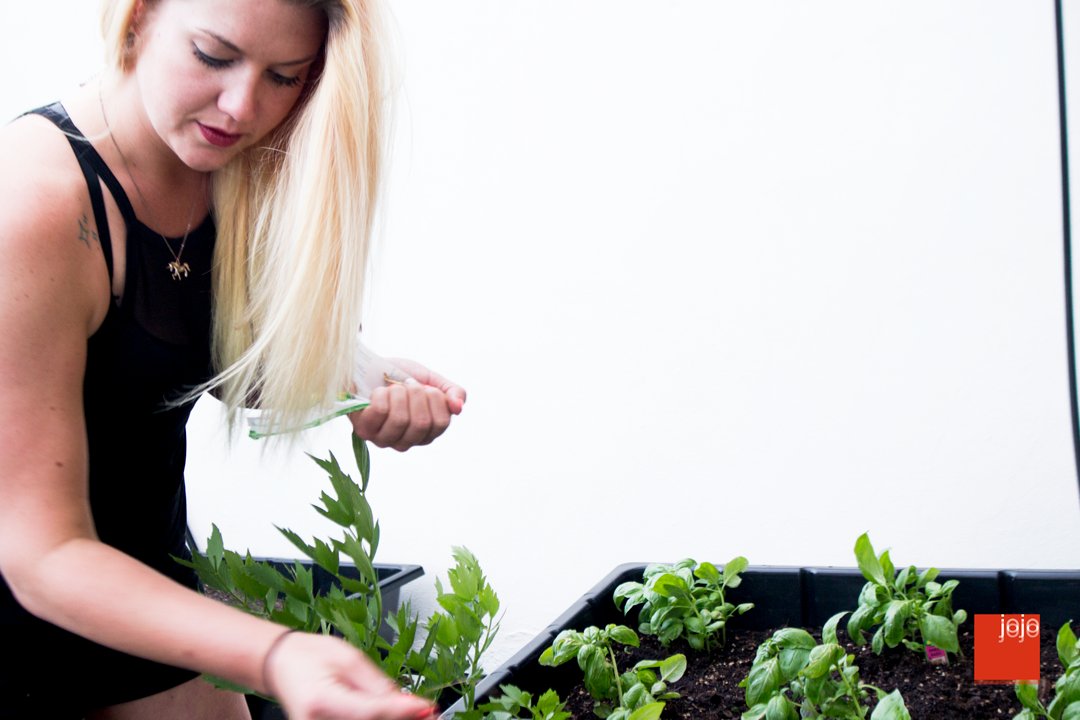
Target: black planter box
(789, 596)
(391, 579)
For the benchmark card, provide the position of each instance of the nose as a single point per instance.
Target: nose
(239, 98)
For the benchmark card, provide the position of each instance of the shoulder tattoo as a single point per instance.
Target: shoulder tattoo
(86, 231)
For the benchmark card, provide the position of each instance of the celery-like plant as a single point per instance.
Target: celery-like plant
(458, 635)
(1066, 702)
(449, 657)
(906, 607)
(353, 605)
(684, 600)
(638, 693)
(793, 676)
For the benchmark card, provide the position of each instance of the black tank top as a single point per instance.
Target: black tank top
(153, 345)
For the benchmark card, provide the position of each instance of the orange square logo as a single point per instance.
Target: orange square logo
(1006, 648)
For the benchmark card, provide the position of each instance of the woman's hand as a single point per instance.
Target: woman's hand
(317, 677)
(414, 412)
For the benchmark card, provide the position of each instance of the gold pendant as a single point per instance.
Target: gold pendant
(179, 270)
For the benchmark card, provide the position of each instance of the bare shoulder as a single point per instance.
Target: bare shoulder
(48, 238)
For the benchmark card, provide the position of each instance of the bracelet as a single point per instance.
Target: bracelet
(266, 658)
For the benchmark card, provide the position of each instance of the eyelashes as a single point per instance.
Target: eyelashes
(220, 64)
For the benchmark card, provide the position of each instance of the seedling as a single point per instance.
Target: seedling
(637, 694)
(1066, 702)
(684, 600)
(906, 607)
(793, 676)
(514, 704)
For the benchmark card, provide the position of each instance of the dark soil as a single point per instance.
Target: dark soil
(710, 688)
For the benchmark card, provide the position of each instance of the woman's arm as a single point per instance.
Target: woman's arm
(55, 293)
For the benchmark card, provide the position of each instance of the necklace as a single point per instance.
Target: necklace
(177, 268)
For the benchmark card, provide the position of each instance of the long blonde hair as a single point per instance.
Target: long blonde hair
(294, 221)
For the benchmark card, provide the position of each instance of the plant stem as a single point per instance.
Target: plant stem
(615, 668)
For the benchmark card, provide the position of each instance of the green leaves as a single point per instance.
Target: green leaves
(906, 607)
(685, 600)
(514, 704)
(868, 561)
(891, 707)
(792, 676)
(634, 694)
(457, 635)
(1068, 648)
(461, 632)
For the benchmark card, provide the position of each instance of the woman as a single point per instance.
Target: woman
(237, 135)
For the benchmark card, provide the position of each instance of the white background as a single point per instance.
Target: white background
(720, 278)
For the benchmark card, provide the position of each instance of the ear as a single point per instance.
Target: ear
(138, 14)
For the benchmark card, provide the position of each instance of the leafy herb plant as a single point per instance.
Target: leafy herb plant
(793, 676)
(907, 607)
(1066, 702)
(457, 635)
(684, 600)
(514, 704)
(636, 694)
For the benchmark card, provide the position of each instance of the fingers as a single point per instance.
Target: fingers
(403, 415)
(323, 678)
(345, 704)
(452, 390)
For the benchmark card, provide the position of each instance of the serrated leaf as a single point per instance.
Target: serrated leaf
(266, 574)
(215, 547)
(297, 541)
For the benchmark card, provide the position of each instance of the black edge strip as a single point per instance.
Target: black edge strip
(1067, 235)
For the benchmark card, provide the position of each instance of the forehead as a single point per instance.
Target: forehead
(268, 30)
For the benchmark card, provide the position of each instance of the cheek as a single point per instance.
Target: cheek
(277, 108)
(173, 90)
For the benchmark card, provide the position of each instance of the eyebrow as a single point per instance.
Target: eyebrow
(238, 51)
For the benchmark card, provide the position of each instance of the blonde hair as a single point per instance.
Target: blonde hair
(294, 221)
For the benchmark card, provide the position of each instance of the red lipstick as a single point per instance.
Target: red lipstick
(218, 138)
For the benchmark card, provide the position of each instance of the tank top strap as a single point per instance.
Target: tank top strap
(93, 168)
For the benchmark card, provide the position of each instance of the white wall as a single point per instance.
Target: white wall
(720, 278)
